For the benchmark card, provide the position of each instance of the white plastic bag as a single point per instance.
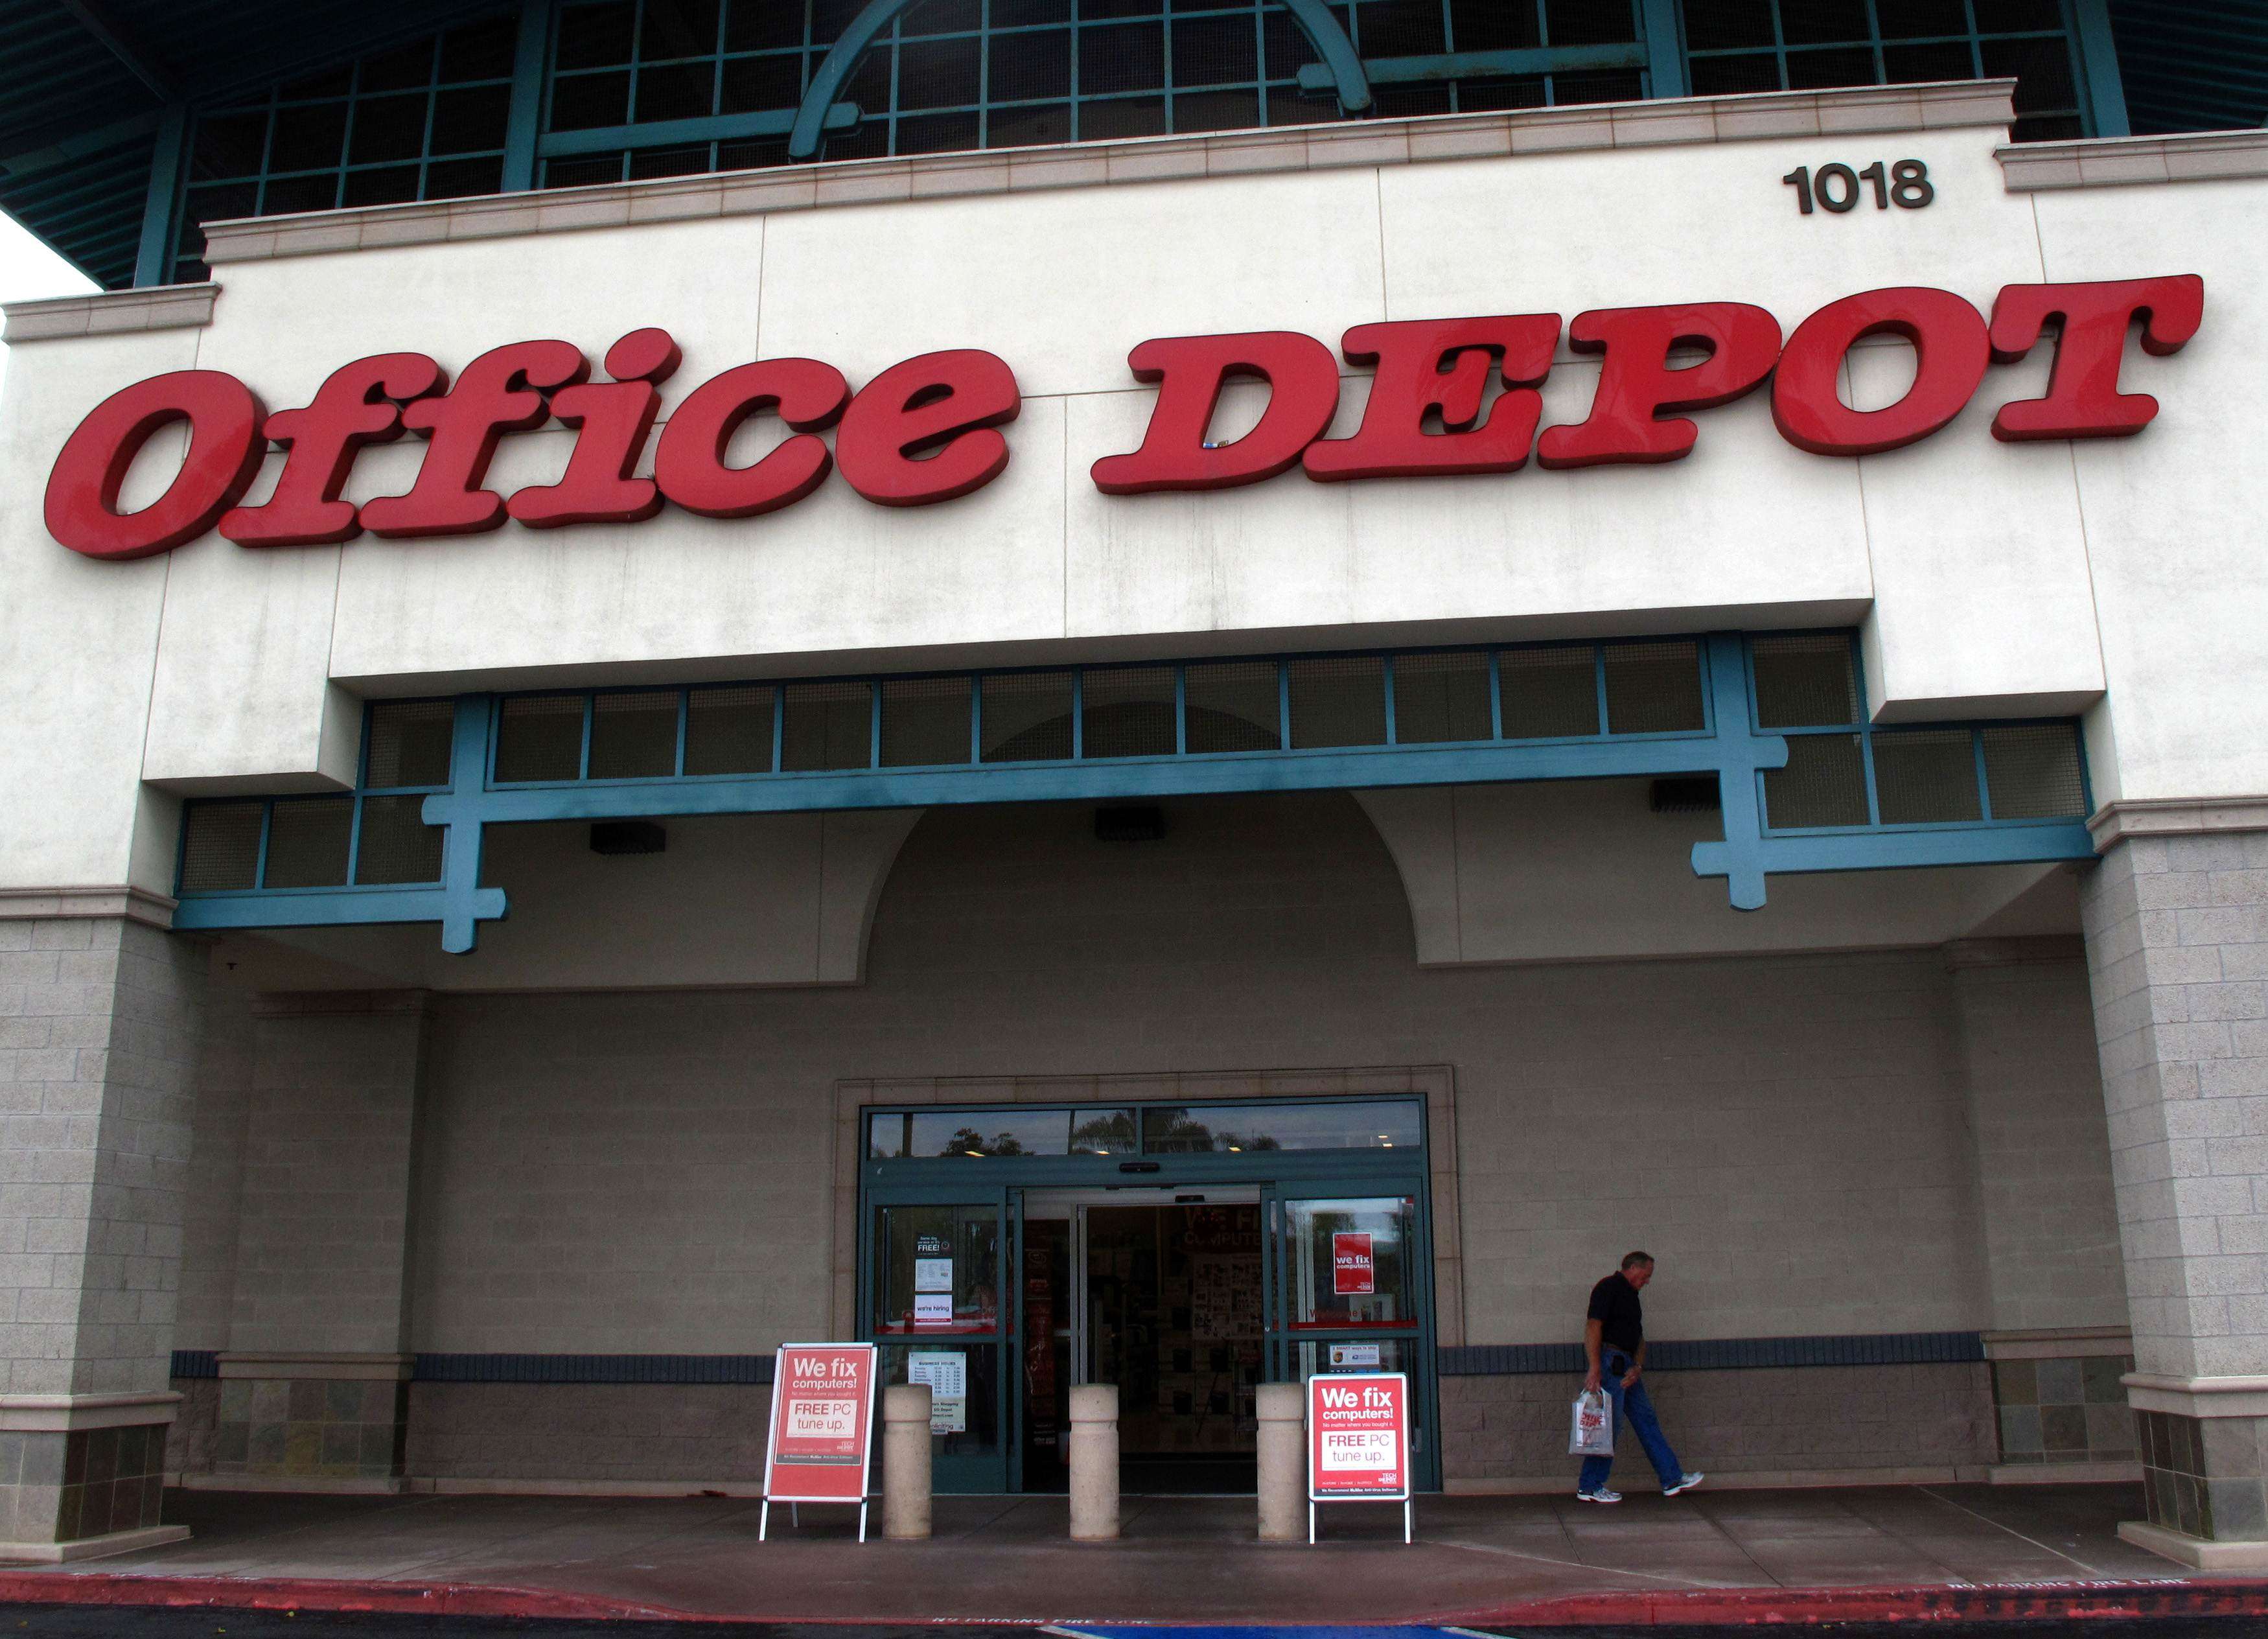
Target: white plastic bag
(1594, 1431)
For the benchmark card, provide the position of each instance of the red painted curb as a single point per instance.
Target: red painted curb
(2063, 1601)
(292, 1593)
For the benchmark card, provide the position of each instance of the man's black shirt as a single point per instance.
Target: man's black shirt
(1614, 1305)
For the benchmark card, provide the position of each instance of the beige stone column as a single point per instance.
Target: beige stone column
(1093, 1453)
(1283, 1412)
(100, 1013)
(906, 1462)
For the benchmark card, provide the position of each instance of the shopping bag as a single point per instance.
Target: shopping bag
(1594, 1431)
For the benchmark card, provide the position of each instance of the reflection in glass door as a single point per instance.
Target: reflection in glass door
(935, 1279)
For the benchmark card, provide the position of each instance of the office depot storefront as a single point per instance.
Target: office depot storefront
(1178, 762)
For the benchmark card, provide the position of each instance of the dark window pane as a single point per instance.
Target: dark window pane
(925, 721)
(753, 154)
(1287, 107)
(403, 69)
(870, 139)
(582, 171)
(1476, 96)
(1440, 697)
(1026, 13)
(681, 91)
(540, 737)
(678, 28)
(1591, 22)
(691, 160)
(1911, 65)
(459, 179)
(480, 50)
(1712, 24)
(1285, 47)
(326, 83)
(1804, 682)
(1822, 22)
(977, 1134)
(942, 17)
(634, 735)
(307, 840)
(763, 25)
(397, 845)
(1921, 19)
(728, 731)
(1127, 711)
(1734, 75)
(1216, 111)
(594, 36)
(1399, 102)
(471, 121)
(287, 196)
(309, 137)
(1023, 128)
(1925, 776)
(1091, 10)
(1026, 717)
(939, 74)
(830, 18)
(756, 83)
(2033, 772)
(1400, 28)
(1122, 116)
(1030, 65)
(1817, 70)
(1999, 16)
(410, 742)
(1130, 57)
(1549, 694)
(1338, 702)
(2056, 128)
(828, 726)
(938, 133)
(388, 127)
(869, 86)
(1234, 706)
(1493, 26)
(220, 845)
(1652, 688)
(1823, 784)
(215, 204)
(1216, 51)
(582, 102)
(229, 145)
(2042, 69)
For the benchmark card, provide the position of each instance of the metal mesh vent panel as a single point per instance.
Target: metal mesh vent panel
(1234, 706)
(307, 840)
(1549, 693)
(634, 736)
(1925, 776)
(540, 736)
(2033, 772)
(396, 845)
(1127, 711)
(826, 725)
(220, 846)
(1823, 784)
(410, 742)
(728, 731)
(1652, 688)
(1338, 702)
(1441, 697)
(925, 721)
(1027, 717)
(1805, 682)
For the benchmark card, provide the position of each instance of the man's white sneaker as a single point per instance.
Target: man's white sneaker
(1685, 1482)
(1600, 1495)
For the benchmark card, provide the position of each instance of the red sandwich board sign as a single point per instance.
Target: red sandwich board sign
(1359, 1441)
(1353, 1272)
(822, 1423)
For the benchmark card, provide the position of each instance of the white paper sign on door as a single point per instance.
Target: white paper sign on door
(947, 1376)
(933, 1309)
(932, 1274)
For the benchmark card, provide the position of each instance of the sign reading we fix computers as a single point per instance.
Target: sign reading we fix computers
(1359, 1436)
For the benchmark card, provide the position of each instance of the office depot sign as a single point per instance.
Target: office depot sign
(929, 429)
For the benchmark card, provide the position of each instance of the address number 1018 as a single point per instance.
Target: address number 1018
(1837, 188)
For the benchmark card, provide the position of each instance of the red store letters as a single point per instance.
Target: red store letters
(928, 430)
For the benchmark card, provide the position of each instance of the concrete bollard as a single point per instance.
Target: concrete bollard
(1283, 1409)
(905, 1462)
(1095, 1462)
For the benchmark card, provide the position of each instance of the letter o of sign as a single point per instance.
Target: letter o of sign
(225, 447)
(1951, 350)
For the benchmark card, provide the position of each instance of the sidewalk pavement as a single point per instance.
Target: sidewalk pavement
(1724, 1555)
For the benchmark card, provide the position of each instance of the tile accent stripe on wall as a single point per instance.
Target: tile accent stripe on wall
(1897, 1348)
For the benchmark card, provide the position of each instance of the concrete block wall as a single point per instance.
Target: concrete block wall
(621, 1432)
(100, 1019)
(1913, 1422)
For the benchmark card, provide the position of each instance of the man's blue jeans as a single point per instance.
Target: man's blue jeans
(1633, 1402)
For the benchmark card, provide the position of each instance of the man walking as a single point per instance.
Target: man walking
(1614, 1343)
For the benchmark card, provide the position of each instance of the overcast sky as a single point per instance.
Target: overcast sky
(28, 271)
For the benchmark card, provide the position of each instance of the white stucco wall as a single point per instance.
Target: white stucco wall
(1988, 579)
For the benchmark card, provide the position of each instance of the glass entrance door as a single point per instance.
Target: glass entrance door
(1350, 1288)
(934, 1279)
